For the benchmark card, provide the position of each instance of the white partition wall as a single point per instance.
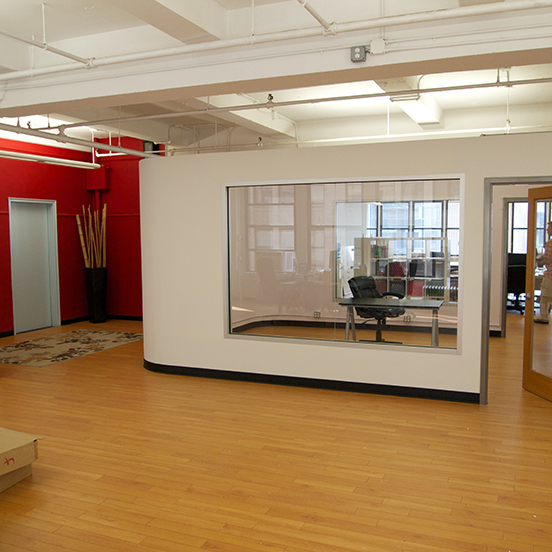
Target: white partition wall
(185, 277)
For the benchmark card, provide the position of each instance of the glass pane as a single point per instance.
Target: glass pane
(541, 207)
(543, 297)
(521, 213)
(454, 242)
(372, 217)
(394, 215)
(519, 241)
(453, 214)
(428, 215)
(294, 248)
(317, 238)
(264, 239)
(287, 238)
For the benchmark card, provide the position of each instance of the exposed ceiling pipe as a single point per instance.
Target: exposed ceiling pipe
(489, 131)
(62, 138)
(44, 46)
(393, 95)
(329, 27)
(388, 21)
(48, 160)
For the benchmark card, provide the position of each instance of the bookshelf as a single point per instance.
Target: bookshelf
(413, 267)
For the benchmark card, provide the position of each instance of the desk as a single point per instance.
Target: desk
(384, 302)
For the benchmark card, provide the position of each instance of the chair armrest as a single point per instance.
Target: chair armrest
(391, 294)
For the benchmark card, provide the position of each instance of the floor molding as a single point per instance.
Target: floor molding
(356, 387)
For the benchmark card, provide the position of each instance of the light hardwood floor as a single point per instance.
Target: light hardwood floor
(135, 461)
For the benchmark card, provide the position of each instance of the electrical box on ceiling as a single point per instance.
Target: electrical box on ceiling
(377, 46)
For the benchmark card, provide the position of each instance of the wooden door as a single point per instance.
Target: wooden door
(537, 347)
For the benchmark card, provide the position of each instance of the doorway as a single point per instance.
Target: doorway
(491, 183)
(34, 264)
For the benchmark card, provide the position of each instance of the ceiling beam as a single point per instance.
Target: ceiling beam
(184, 20)
(422, 109)
(262, 120)
(13, 56)
(463, 3)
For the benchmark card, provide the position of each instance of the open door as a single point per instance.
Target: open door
(537, 346)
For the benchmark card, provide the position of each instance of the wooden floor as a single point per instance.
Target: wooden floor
(390, 334)
(134, 461)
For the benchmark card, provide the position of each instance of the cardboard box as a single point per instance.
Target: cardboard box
(17, 453)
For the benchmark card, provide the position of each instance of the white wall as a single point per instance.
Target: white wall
(183, 257)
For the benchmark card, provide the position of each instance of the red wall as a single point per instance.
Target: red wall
(67, 186)
(124, 261)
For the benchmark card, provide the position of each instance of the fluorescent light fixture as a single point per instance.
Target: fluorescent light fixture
(424, 109)
(48, 160)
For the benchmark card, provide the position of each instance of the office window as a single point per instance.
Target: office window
(518, 219)
(293, 249)
(270, 216)
(395, 223)
(453, 227)
(544, 215)
(428, 223)
(395, 219)
(372, 220)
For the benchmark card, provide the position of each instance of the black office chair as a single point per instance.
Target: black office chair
(365, 286)
(516, 279)
(516, 286)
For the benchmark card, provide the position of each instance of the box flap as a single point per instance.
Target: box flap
(16, 450)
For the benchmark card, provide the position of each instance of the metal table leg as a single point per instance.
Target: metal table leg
(347, 324)
(435, 328)
(350, 323)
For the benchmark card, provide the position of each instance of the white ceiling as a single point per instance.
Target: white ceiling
(203, 74)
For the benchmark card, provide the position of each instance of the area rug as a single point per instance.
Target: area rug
(57, 348)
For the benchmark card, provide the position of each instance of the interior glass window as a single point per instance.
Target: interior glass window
(294, 248)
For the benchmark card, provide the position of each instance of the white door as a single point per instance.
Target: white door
(33, 247)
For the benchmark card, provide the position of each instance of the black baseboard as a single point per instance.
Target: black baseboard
(109, 317)
(74, 320)
(122, 317)
(355, 387)
(6, 334)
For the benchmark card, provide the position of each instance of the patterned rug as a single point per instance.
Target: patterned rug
(56, 348)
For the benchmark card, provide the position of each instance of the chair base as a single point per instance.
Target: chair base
(384, 341)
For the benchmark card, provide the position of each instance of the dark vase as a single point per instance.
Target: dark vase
(96, 292)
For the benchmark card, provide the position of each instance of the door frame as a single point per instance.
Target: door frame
(487, 249)
(53, 265)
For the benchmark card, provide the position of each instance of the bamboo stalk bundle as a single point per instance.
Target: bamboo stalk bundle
(82, 242)
(92, 234)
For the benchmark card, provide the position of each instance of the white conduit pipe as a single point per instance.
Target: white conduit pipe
(327, 26)
(397, 95)
(390, 21)
(69, 140)
(44, 46)
(48, 160)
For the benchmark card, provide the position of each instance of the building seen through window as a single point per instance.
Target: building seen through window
(293, 249)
